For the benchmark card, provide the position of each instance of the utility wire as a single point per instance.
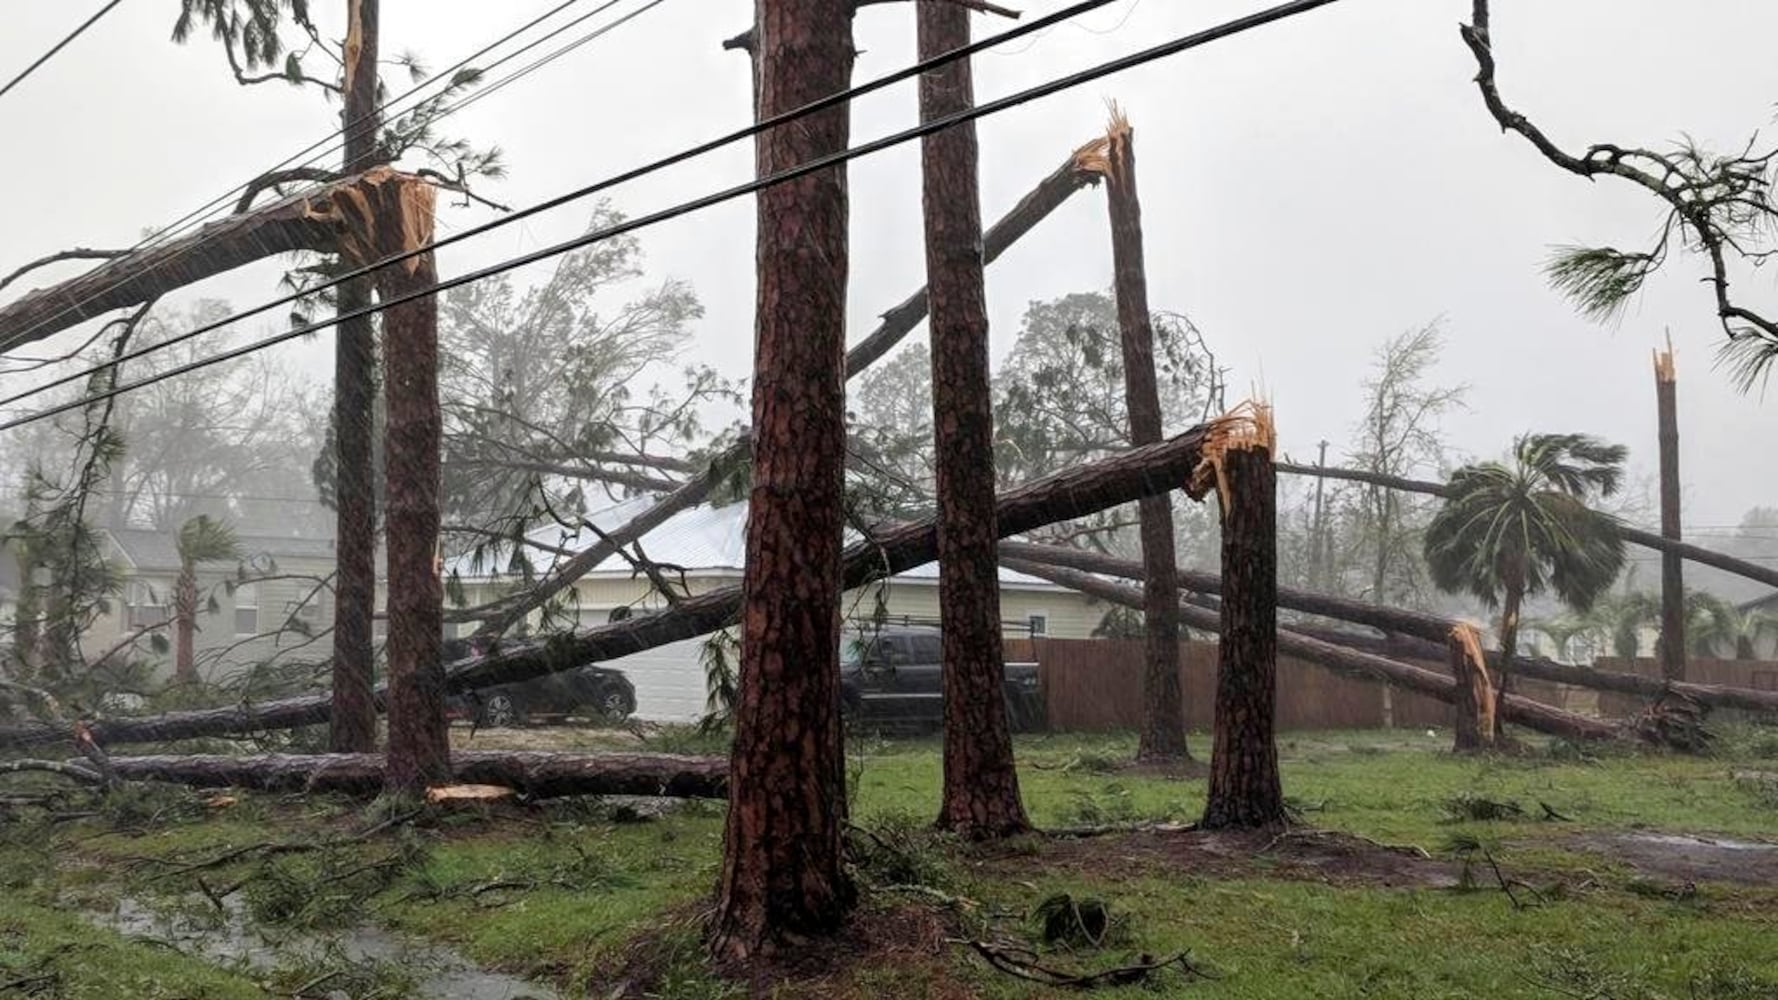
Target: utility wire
(694, 152)
(57, 47)
(210, 209)
(1166, 49)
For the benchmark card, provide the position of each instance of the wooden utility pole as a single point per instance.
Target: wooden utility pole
(1162, 735)
(1244, 787)
(419, 740)
(1672, 567)
(981, 783)
(352, 727)
(783, 875)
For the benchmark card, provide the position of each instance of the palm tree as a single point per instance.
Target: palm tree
(1511, 530)
(1713, 626)
(201, 540)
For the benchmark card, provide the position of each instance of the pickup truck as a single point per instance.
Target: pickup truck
(893, 676)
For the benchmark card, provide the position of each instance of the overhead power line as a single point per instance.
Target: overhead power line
(219, 204)
(1164, 50)
(57, 47)
(694, 152)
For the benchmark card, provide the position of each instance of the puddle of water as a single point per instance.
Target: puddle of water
(443, 974)
(1680, 840)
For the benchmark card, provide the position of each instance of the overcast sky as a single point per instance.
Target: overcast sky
(1310, 188)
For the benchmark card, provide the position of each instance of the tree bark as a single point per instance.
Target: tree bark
(353, 724)
(1647, 539)
(898, 322)
(1162, 734)
(893, 549)
(1509, 632)
(783, 875)
(1673, 648)
(981, 784)
(419, 739)
(535, 775)
(1245, 792)
(1411, 632)
(1344, 660)
(1474, 718)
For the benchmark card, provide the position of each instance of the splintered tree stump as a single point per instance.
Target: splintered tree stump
(1475, 704)
(1245, 791)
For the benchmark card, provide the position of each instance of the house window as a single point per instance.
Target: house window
(144, 606)
(247, 609)
(1040, 624)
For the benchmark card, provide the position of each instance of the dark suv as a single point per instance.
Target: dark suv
(592, 690)
(893, 676)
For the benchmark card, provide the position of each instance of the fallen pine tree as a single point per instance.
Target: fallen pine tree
(1428, 632)
(533, 775)
(1071, 493)
(1342, 659)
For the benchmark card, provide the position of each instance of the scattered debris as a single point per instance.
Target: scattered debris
(1022, 963)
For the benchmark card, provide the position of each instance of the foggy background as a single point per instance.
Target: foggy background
(1310, 188)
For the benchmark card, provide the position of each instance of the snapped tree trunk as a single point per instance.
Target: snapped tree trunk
(1475, 707)
(534, 775)
(981, 784)
(1162, 732)
(419, 742)
(897, 548)
(1245, 791)
(1673, 646)
(353, 724)
(782, 871)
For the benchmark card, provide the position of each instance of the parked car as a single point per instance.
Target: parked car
(893, 676)
(599, 692)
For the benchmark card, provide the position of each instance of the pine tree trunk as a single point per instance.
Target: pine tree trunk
(1672, 567)
(419, 741)
(1244, 788)
(782, 872)
(1162, 736)
(353, 724)
(185, 613)
(981, 783)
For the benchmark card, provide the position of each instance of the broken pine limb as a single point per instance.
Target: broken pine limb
(318, 220)
(1071, 493)
(532, 775)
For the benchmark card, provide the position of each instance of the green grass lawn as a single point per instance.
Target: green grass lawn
(579, 898)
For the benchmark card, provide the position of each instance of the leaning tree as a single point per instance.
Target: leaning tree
(1511, 530)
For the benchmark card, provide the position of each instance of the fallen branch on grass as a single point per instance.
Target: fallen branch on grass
(533, 775)
(66, 770)
(1022, 963)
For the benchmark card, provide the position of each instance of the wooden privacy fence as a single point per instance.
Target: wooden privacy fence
(1096, 684)
(1760, 675)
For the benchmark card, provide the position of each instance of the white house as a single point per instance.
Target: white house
(704, 547)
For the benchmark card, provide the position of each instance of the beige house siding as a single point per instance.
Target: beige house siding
(226, 644)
